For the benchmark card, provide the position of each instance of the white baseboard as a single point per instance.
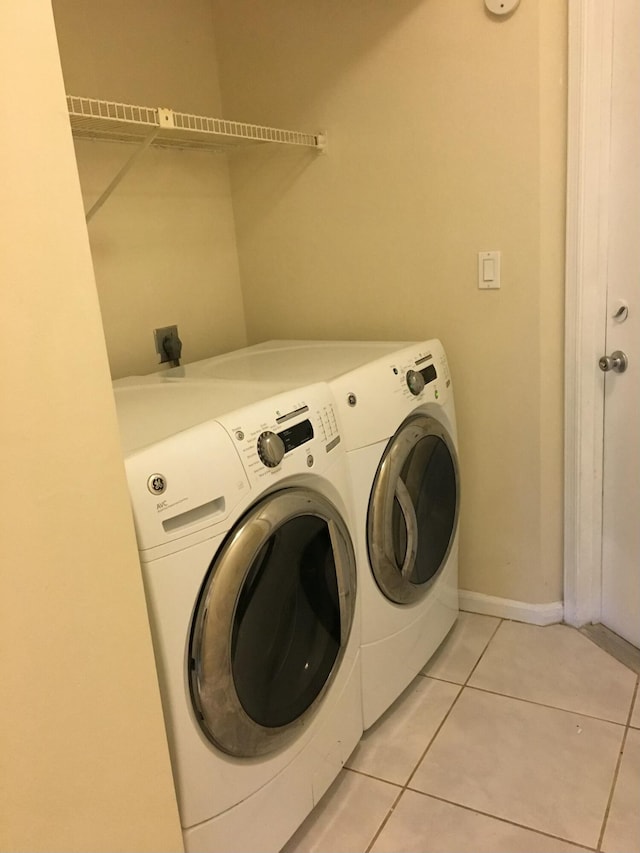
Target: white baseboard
(504, 608)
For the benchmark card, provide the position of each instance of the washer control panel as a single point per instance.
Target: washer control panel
(285, 434)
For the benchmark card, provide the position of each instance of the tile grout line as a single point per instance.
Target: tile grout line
(384, 821)
(398, 785)
(505, 820)
(462, 686)
(413, 772)
(616, 772)
(482, 654)
(434, 736)
(543, 705)
(532, 701)
(453, 704)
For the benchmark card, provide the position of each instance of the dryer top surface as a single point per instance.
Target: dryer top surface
(299, 362)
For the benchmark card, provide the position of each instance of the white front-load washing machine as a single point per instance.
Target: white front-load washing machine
(244, 528)
(395, 402)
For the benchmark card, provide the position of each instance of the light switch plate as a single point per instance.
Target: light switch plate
(488, 270)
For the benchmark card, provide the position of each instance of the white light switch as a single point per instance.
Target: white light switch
(488, 270)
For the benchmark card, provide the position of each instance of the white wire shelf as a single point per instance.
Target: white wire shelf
(109, 120)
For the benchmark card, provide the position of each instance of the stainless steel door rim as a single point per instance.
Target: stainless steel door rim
(220, 712)
(393, 572)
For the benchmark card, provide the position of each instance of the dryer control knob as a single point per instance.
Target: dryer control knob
(415, 382)
(271, 449)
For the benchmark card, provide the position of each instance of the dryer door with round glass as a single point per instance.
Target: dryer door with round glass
(413, 509)
(272, 622)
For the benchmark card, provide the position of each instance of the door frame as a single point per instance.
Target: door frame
(589, 119)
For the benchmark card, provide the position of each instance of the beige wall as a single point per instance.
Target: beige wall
(83, 753)
(163, 245)
(446, 138)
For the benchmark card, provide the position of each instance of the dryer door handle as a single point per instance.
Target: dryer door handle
(395, 501)
(411, 523)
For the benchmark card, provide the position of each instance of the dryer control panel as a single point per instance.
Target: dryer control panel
(420, 374)
(286, 434)
(416, 372)
(374, 399)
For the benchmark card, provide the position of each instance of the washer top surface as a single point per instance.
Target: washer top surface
(151, 408)
(301, 362)
(370, 380)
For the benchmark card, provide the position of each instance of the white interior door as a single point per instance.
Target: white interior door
(621, 472)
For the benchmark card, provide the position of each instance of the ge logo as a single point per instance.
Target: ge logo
(156, 484)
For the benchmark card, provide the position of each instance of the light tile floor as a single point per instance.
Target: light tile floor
(513, 739)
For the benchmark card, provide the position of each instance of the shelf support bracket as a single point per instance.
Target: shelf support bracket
(95, 207)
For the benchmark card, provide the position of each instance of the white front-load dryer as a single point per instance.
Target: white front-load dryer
(244, 528)
(396, 406)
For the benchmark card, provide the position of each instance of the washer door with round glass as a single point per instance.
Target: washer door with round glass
(413, 509)
(272, 623)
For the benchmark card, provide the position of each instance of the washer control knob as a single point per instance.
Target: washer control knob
(415, 381)
(271, 449)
